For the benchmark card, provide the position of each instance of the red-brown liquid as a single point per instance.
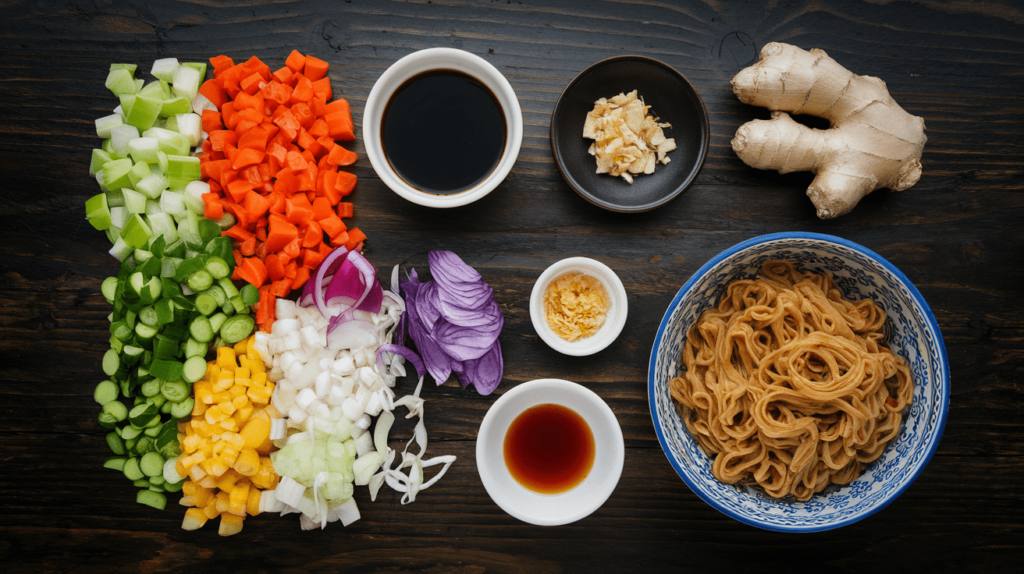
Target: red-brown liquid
(549, 449)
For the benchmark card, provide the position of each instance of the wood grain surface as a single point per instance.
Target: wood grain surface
(957, 235)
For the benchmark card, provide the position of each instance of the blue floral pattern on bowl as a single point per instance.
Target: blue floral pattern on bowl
(912, 333)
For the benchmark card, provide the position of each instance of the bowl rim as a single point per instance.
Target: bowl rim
(610, 476)
(441, 58)
(687, 182)
(607, 334)
(931, 322)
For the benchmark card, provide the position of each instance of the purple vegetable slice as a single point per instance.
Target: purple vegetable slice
(485, 373)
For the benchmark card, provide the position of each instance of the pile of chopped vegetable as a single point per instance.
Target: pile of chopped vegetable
(227, 442)
(335, 370)
(272, 162)
(455, 323)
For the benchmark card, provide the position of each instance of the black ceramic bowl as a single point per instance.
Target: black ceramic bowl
(672, 99)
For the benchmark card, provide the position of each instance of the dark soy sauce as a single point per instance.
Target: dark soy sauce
(549, 448)
(443, 132)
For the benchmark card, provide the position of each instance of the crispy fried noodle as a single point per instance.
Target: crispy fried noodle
(788, 385)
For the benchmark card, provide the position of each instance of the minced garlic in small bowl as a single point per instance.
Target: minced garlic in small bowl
(578, 306)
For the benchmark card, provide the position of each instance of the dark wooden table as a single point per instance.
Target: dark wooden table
(957, 235)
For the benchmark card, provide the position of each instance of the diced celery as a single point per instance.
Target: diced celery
(188, 229)
(97, 211)
(153, 207)
(126, 102)
(121, 250)
(106, 146)
(201, 66)
(186, 82)
(99, 159)
(115, 173)
(130, 67)
(115, 198)
(182, 169)
(200, 103)
(190, 126)
(173, 203)
(174, 106)
(161, 158)
(152, 90)
(144, 112)
(194, 195)
(139, 171)
(171, 123)
(106, 123)
(119, 214)
(136, 232)
(144, 149)
(152, 186)
(120, 81)
(139, 82)
(113, 233)
(120, 136)
(163, 224)
(165, 68)
(134, 201)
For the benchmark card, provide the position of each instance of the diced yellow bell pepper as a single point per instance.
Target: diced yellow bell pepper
(252, 506)
(226, 359)
(230, 524)
(194, 519)
(248, 462)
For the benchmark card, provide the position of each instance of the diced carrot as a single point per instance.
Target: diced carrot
(346, 182)
(256, 138)
(281, 288)
(322, 88)
(256, 205)
(314, 68)
(321, 208)
(221, 63)
(342, 156)
(211, 121)
(281, 233)
(213, 209)
(355, 237)
(344, 209)
(303, 91)
(340, 239)
(213, 92)
(284, 75)
(248, 247)
(237, 232)
(310, 259)
(247, 157)
(298, 209)
(220, 139)
(238, 188)
(295, 62)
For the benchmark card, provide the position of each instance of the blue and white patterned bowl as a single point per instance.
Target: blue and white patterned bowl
(914, 335)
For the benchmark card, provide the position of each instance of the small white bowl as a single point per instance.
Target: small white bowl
(550, 509)
(441, 59)
(614, 321)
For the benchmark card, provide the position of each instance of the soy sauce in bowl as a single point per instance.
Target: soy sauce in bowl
(443, 132)
(549, 448)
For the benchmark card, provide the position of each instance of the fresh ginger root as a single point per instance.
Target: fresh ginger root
(872, 142)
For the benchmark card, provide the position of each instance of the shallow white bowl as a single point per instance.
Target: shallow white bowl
(441, 59)
(614, 322)
(912, 333)
(550, 509)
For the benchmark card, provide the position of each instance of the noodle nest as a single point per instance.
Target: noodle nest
(788, 385)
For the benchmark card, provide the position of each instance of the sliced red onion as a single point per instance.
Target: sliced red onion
(455, 323)
(332, 260)
(402, 351)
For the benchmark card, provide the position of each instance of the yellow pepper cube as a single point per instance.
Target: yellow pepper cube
(243, 413)
(248, 462)
(222, 397)
(257, 366)
(230, 524)
(226, 358)
(228, 408)
(191, 443)
(203, 391)
(217, 466)
(239, 496)
(229, 424)
(199, 408)
(223, 501)
(234, 439)
(237, 391)
(227, 481)
(212, 371)
(243, 362)
(242, 373)
(224, 382)
(210, 510)
(256, 430)
(241, 347)
(194, 519)
(252, 506)
(265, 477)
(258, 380)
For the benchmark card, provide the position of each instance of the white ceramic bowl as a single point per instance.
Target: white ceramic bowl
(616, 317)
(550, 509)
(441, 59)
(912, 334)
